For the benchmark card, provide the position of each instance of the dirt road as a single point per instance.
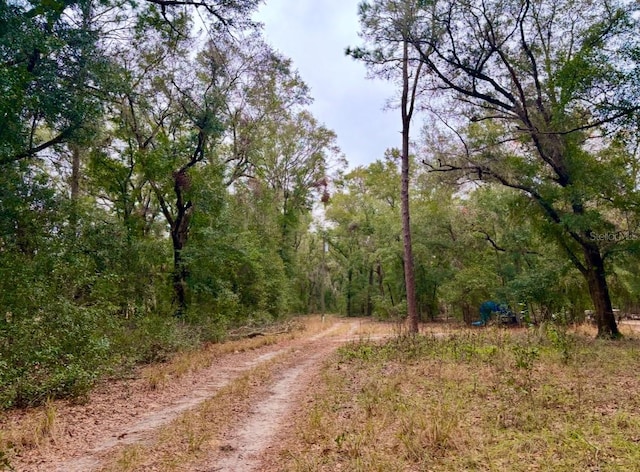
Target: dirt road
(134, 414)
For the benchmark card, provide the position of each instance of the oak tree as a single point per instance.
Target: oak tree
(543, 91)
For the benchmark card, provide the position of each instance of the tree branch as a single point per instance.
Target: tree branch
(163, 204)
(32, 151)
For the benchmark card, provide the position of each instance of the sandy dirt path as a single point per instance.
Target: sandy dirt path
(251, 446)
(129, 412)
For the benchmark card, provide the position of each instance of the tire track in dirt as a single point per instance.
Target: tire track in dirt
(254, 437)
(141, 430)
(246, 446)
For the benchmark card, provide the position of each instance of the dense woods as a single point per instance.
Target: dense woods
(163, 179)
(157, 185)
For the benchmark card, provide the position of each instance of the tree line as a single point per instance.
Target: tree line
(163, 178)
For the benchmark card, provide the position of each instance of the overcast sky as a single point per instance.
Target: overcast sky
(314, 34)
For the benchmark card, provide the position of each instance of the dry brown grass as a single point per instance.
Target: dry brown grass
(376, 329)
(194, 434)
(184, 363)
(490, 399)
(313, 324)
(39, 428)
(34, 429)
(197, 433)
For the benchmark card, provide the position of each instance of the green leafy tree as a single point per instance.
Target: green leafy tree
(48, 62)
(546, 89)
(294, 163)
(364, 237)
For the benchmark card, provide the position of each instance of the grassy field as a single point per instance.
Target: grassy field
(544, 399)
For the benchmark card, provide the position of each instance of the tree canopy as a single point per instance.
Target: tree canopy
(148, 170)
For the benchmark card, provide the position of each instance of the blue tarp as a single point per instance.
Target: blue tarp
(489, 307)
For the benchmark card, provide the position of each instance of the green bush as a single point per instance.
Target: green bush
(58, 353)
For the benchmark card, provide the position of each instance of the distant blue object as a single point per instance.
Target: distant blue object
(486, 309)
(489, 307)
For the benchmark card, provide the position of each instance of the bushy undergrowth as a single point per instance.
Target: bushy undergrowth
(544, 399)
(86, 288)
(69, 320)
(62, 353)
(60, 350)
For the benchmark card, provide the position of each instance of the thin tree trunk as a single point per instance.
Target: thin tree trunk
(322, 277)
(407, 111)
(74, 185)
(349, 293)
(434, 302)
(369, 290)
(380, 280)
(75, 172)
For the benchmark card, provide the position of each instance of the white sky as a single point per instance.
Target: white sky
(314, 34)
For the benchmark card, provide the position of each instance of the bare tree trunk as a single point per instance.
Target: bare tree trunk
(349, 292)
(323, 272)
(369, 308)
(74, 185)
(179, 225)
(180, 271)
(599, 291)
(75, 172)
(467, 315)
(179, 237)
(380, 279)
(407, 103)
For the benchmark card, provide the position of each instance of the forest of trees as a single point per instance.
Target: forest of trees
(539, 97)
(157, 185)
(163, 179)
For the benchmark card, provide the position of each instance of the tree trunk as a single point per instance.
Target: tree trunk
(323, 272)
(467, 315)
(435, 311)
(349, 292)
(75, 172)
(74, 185)
(599, 291)
(369, 291)
(409, 276)
(179, 236)
(180, 271)
(380, 279)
